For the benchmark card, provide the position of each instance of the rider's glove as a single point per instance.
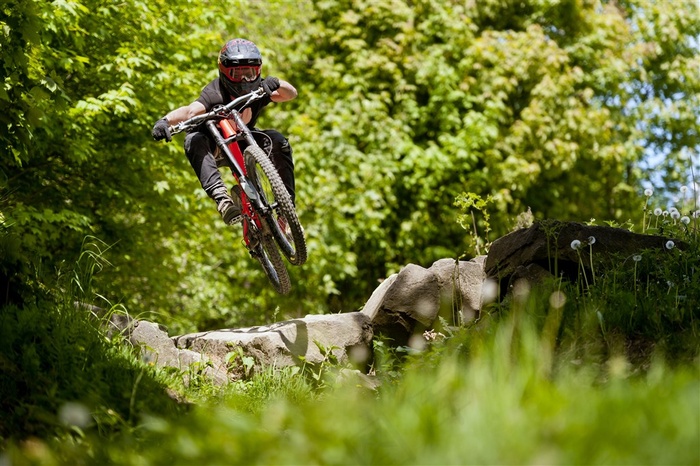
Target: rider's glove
(161, 130)
(270, 84)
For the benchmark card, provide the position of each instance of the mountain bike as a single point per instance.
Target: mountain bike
(270, 221)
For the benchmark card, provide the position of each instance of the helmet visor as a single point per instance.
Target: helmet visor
(239, 74)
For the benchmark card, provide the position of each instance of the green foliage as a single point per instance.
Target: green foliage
(403, 106)
(470, 202)
(567, 366)
(62, 377)
(406, 105)
(450, 404)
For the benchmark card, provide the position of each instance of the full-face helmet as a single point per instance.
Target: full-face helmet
(240, 63)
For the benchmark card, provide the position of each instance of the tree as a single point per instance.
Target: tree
(403, 106)
(538, 104)
(85, 81)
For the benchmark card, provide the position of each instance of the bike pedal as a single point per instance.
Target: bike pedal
(236, 220)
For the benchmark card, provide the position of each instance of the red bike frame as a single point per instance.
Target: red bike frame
(228, 130)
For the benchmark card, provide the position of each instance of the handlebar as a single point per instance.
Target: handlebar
(219, 112)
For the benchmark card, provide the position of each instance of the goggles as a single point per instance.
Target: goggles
(239, 74)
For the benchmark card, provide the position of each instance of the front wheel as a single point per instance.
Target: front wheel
(282, 217)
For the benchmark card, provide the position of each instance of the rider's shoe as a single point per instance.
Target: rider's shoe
(230, 210)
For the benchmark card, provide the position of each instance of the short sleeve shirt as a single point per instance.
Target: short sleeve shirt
(213, 94)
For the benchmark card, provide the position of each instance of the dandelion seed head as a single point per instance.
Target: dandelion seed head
(648, 192)
(696, 214)
(591, 240)
(521, 290)
(359, 354)
(489, 291)
(685, 220)
(684, 189)
(74, 414)
(637, 257)
(557, 299)
(670, 244)
(665, 213)
(675, 215)
(417, 342)
(575, 244)
(657, 211)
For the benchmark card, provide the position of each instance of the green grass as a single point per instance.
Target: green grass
(489, 399)
(58, 363)
(604, 373)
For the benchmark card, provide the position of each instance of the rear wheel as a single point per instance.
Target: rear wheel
(282, 219)
(266, 252)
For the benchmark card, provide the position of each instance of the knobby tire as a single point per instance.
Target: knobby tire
(269, 184)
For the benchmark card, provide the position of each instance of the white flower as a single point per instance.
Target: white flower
(684, 189)
(637, 257)
(648, 192)
(557, 299)
(591, 240)
(489, 290)
(665, 213)
(675, 215)
(670, 244)
(74, 414)
(575, 244)
(672, 209)
(696, 214)
(657, 211)
(685, 220)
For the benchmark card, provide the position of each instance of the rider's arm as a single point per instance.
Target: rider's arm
(285, 92)
(185, 113)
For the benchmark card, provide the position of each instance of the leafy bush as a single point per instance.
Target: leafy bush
(61, 375)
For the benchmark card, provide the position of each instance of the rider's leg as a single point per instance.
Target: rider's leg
(199, 148)
(281, 155)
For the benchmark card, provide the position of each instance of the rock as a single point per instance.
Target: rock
(404, 304)
(158, 348)
(374, 303)
(532, 273)
(411, 301)
(401, 308)
(408, 304)
(287, 343)
(460, 284)
(548, 246)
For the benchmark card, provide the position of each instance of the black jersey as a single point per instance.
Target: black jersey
(214, 94)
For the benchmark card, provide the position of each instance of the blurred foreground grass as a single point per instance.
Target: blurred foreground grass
(483, 397)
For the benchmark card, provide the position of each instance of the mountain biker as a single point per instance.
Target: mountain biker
(240, 64)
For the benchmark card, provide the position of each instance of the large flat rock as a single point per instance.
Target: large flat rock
(287, 343)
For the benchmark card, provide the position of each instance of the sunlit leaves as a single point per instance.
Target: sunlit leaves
(403, 106)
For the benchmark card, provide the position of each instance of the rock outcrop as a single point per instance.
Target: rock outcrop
(545, 250)
(410, 301)
(312, 340)
(404, 305)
